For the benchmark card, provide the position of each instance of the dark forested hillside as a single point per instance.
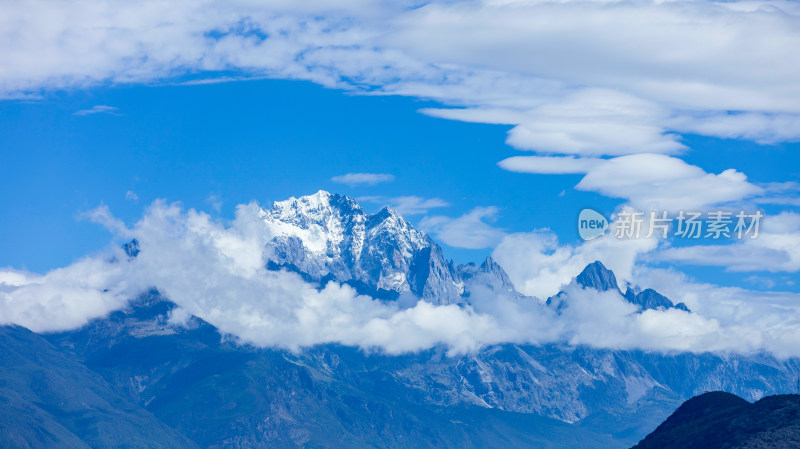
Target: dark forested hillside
(726, 421)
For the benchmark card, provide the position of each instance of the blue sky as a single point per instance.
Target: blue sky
(257, 140)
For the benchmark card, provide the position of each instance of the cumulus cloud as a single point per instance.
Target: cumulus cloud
(215, 270)
(354, 179)
(64, 298)
(407, 205)
(754, 319)
(472, 230)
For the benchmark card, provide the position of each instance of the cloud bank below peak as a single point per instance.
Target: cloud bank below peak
(217, 271)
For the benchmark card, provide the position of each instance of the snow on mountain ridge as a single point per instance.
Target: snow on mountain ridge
(310, 218)
(327, 236)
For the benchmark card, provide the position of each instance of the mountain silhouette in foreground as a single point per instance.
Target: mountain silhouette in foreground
(723, 420)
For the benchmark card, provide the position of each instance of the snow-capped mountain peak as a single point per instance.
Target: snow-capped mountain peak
(328, 236)
(316, 220)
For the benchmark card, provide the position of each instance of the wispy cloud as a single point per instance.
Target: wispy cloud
(215, 201)
(130, 195)
(99, 109)
(471, 230)
(776, 249)
(407, 205)
(354, 179)
(780, 193)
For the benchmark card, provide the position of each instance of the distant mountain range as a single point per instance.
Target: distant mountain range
(132, 379)
(723, 420)
(328, 237)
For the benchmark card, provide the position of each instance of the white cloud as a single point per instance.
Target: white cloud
(470, 230)
(574, 76)
(407, 205)
(662, 182)
(753, 319)
(99, 109)
(758, 127)
(550, 165)
(130, 195)
(64, 298)
(355, 179)
(215, 270)
(692, 54)
(646, 181)
(722, 317)
(241, 297)
(605, 319)
(103, 216)
(585, 122)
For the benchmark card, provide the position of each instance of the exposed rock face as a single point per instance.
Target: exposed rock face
(600, 278)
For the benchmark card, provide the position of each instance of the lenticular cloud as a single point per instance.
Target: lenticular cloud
(216, 270)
